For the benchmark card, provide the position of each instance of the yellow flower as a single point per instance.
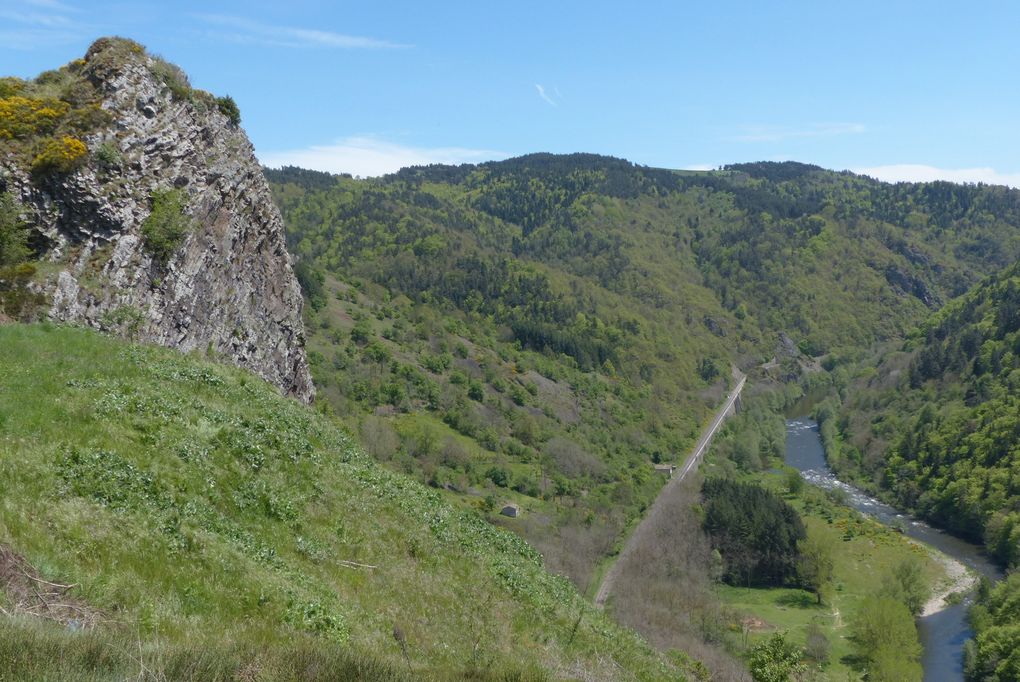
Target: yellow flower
(61, 155)
(25, 116)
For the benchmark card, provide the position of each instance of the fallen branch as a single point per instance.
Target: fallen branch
(46, 582)
(354, 564)
(40, 597)
(70, 606)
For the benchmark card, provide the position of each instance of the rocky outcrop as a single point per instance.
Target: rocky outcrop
(229, 287)
(912, 285)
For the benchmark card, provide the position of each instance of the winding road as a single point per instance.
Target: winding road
(690, 465)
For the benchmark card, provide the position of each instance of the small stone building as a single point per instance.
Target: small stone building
(666, 470)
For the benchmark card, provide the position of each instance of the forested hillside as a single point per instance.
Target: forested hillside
(994, 654)
(543, 330)
(936, 424)
(498, 376)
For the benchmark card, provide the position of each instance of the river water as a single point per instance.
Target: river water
(942, 633)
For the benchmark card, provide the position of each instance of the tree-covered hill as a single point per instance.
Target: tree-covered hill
(499, 376)
(166, 517)
(543, 330)
(937, 424)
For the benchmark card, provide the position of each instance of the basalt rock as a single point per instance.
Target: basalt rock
(228, 288)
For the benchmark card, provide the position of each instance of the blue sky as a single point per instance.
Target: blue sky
(901, 90)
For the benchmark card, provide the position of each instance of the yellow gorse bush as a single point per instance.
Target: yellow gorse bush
(26, 116)
(61, 155)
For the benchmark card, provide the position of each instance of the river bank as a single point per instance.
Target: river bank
(959, 581)
(943, 626)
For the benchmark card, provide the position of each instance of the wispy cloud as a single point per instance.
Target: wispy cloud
(911, 172)
(549, 97)
(765, 133)
(241, 30)
(34, 24)
(51, 4)
(369, 156)
(35, 18)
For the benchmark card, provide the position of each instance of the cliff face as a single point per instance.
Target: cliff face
(229, 287)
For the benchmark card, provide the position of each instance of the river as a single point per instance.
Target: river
(942, 633)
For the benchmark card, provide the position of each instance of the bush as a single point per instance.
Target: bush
(361, 332)
(174, 78)
(86, 118)
(817, 646)
(886, 638)
(775, 660)
(61, 155)
(228, 107)
(498, 476)
(25, 116)
(17, 300)
(13, 233)
(166, 227)
(108, 155)
(10, 86)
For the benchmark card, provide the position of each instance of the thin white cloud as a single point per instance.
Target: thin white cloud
(35, 18)
(35, 24)
(699, 167)
(245, 31)
(546, 96)
(52, 4)
(34, 39)
(370, 156)
(763, 133)
(911, 172)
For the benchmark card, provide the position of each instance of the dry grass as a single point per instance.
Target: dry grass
(27, 594)
(663, 589)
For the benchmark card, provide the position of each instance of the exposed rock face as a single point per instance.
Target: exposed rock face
(229, 287)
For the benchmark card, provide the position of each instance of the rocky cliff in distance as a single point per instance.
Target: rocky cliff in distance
(227, 286)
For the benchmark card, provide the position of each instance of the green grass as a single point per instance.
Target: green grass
(33, 651)
(206, 518)
(865, 551)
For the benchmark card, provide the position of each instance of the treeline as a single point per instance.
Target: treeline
(309, 179)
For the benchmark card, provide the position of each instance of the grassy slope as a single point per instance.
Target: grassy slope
(200, 512)
(522, 416)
